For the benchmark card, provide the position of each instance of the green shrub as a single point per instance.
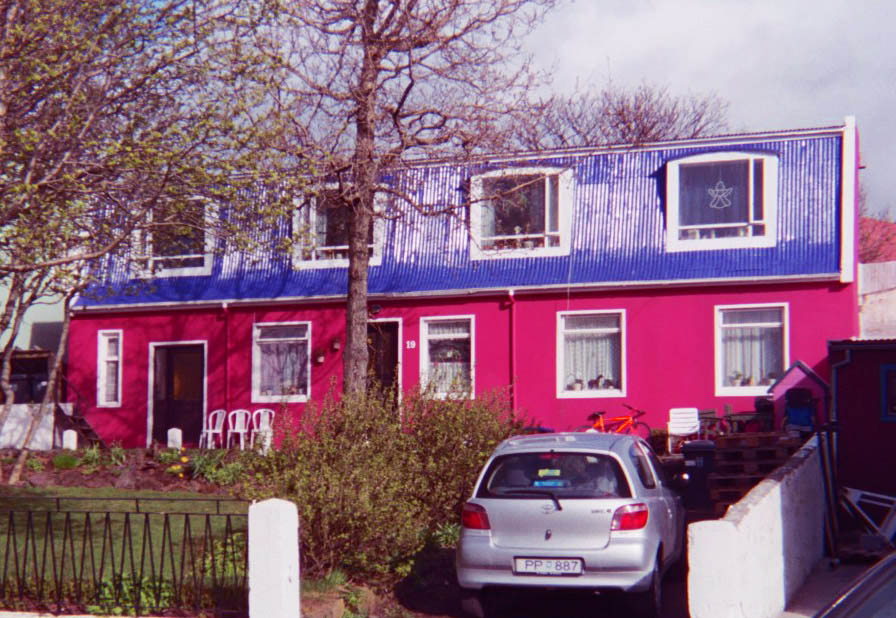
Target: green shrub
(451, 439)
(35, 465)
(169, 456)
(117, 455)
(91, 456)
(66, 461)
(373, 482)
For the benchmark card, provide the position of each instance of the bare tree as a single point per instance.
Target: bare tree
(616, 115)
(370, 85)
(877, 234)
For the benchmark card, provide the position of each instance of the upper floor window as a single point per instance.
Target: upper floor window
(178, 242)
(721, 200)
(321, 226)
(446, 364)
(590, 354)
(108, 368)
(521, 212)
(751, 348)
(281, 359)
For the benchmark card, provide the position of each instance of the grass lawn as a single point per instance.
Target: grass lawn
(78, 540)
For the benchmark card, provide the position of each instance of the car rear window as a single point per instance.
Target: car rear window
(567, 475)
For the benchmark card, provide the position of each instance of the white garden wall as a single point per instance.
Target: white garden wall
(749, 563)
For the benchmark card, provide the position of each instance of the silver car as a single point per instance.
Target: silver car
(587, 511)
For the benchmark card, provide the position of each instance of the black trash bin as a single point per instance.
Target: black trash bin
(699, 456)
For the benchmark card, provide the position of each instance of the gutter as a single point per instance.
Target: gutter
(467, 293)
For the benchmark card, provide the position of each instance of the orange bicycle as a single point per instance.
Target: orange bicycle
(626, 423)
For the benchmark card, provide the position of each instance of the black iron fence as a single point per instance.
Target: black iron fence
(131, 556)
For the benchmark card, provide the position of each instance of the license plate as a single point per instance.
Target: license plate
(548, 566)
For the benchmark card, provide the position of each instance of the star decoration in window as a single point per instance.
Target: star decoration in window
(721, 196)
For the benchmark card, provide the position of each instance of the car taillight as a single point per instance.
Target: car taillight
(630, 517)
(475, 517)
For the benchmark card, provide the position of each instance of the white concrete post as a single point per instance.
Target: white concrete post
(175, 438)
(70, 439)
(274, 560)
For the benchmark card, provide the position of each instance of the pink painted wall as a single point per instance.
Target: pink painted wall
(669, 339)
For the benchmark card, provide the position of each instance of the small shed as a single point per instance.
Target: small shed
(800, 386)
(864, 407)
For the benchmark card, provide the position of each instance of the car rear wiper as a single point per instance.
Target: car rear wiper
(537, 492)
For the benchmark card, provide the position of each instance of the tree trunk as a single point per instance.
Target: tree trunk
(364, 171)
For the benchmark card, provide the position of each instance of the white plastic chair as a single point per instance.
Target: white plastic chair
(263, 425)
(238, 424)
(213, 433)
(683, 422)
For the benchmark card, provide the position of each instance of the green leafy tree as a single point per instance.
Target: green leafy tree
(116, 118)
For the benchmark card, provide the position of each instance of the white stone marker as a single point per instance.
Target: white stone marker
(274, 560)
(70, 439)
(175, 438)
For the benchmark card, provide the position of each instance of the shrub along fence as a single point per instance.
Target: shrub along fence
(124, 555)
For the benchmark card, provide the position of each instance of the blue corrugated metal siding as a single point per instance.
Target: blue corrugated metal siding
(618, 235)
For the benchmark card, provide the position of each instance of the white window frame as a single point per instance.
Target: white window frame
(585, 393)
(564, 213)
(769, 203)
(146, 261)
(304, 219)
(722, 386)
(257, 396)
(424, 350)
(102, 374)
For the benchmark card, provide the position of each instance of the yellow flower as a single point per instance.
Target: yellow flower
(180, 474)
(185, 459)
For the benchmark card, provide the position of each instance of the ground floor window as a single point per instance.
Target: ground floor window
(447, 355)
(751, 348)
(108, 388)
(281, 362)
(590, 353)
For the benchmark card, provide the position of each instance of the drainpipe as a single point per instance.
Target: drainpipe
(226, 356)
(512, 302)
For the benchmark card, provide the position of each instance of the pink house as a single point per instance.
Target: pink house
(685, 273)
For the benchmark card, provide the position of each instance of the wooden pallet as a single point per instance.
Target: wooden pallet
(755, 453)
(753, 440)
(726, 495)
(734, 481)
(746, 467)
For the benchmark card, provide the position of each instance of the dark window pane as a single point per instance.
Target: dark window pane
(714, 193)
(516, 203)
(758, 207)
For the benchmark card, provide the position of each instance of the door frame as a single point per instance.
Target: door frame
(152, 378)
(400, 354)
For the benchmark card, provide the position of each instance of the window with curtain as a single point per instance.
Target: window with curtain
(591, 354)
(447, 349)
(752, 346)
(721, 200)
(109, 368)
(280, 363)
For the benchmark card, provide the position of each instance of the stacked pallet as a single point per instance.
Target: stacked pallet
(744, 459)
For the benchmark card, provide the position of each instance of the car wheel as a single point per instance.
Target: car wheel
(471, 603)
(649, 603)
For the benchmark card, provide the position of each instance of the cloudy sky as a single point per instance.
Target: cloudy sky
(781, 64)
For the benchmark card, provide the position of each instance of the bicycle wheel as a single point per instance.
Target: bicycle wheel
(641, 429)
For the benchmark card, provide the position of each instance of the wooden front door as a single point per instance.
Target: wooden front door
(382, 343)
(178, 379)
